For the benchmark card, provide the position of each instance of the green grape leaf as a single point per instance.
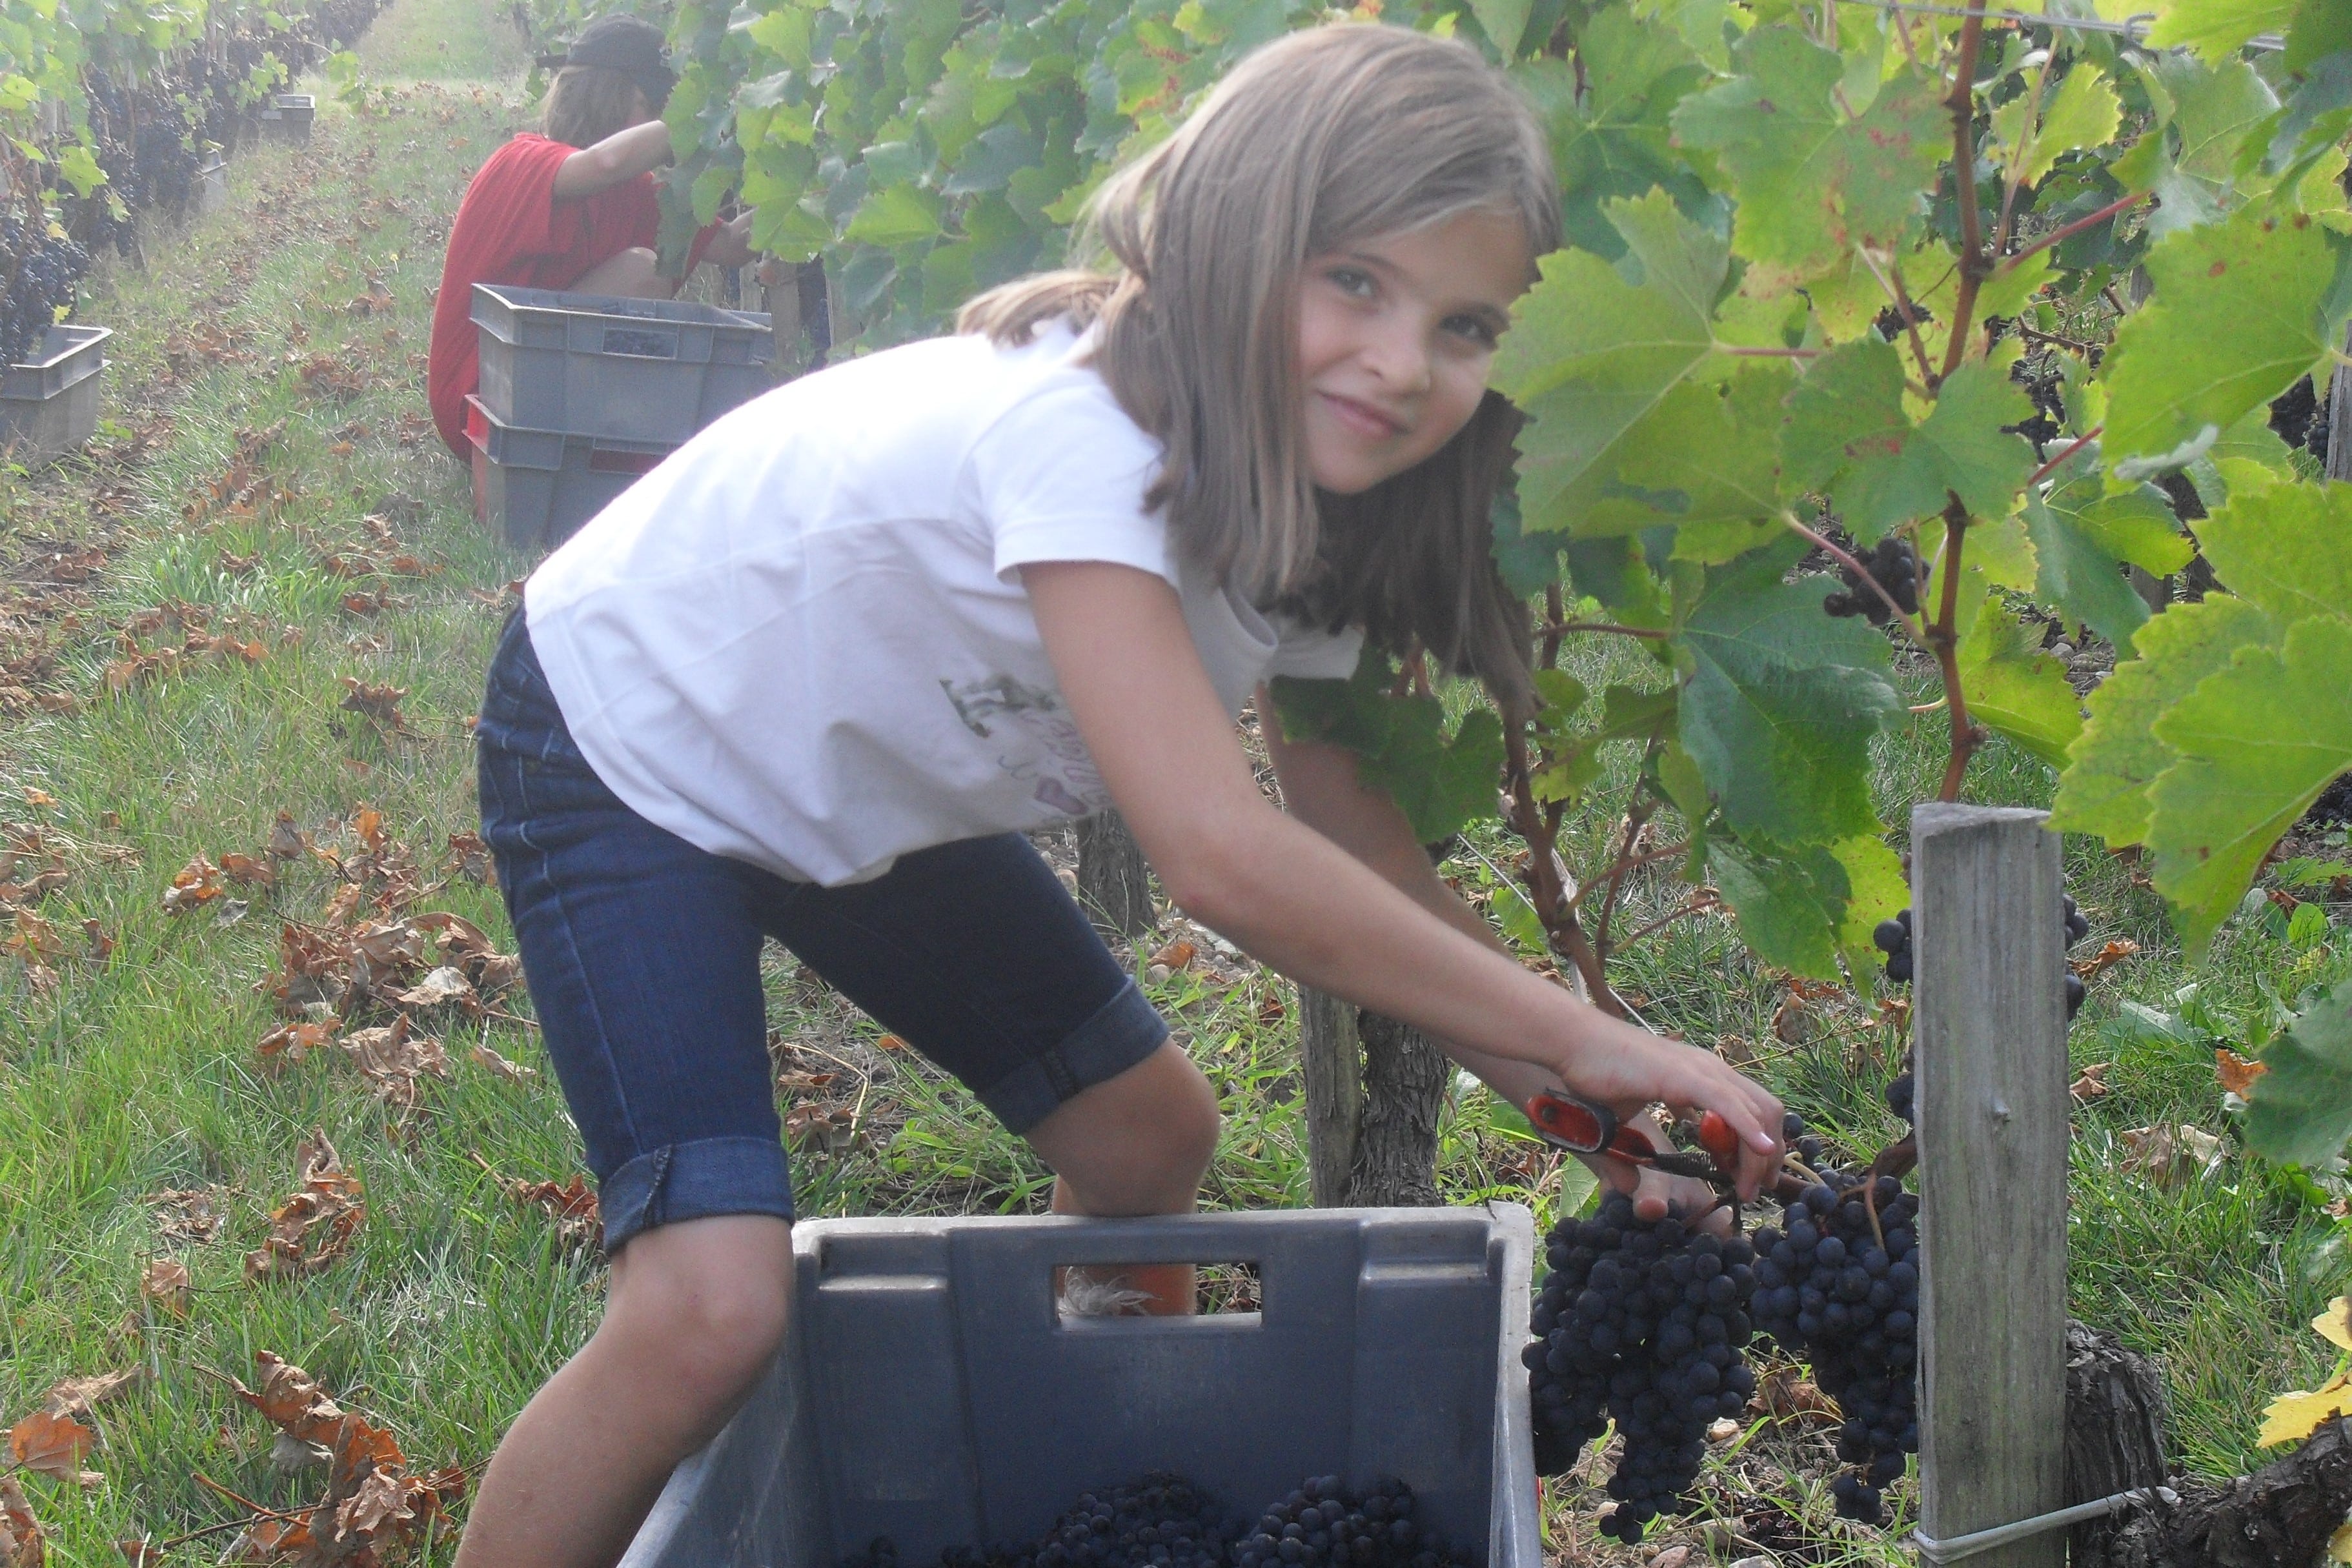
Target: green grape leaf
(1529, 562)
(1504, 23)
(2300, 1110)
(1608, 119)
(1876, 890)
(1789, 904)
(1813, 182)
(1442, 784)
(2081, 111)
(1701, 23)
(2014, 689)
(2081, 579)
(1849, 435)
(2105, 788)
(1590, 354)
(1781, 702)
(896, 214)
(2321, 28)
(1706, 460)
(2287, 550)
(2257, 742)
(2242, 309)
(2217, 28)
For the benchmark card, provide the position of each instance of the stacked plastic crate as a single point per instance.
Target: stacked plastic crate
(580, 394)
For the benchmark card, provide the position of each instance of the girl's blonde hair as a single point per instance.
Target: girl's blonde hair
(587, 103)
(1320, 140)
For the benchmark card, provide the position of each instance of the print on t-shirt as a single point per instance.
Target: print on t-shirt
(1063, 775)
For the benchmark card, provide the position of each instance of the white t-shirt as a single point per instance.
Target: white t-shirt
(802, 641)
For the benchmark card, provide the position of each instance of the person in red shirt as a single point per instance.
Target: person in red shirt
(573, 208)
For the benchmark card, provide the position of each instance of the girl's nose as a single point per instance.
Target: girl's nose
(1399, 353)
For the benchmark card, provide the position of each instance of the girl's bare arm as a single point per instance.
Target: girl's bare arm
(621, 156)
(1298, 901)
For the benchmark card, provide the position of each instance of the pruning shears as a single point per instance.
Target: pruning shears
(1571, 1122)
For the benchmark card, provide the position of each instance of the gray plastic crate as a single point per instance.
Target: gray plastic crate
(287, 116)
(930, 1391)
(49, 404)
(635, 370)
(535, 488)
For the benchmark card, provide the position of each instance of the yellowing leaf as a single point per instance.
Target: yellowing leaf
(2294, 1416)
(2335, 1325)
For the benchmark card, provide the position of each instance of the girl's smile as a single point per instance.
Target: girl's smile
(1395, 336)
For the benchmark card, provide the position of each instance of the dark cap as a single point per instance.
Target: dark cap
(631, 46)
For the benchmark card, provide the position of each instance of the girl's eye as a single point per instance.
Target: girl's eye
(1351, 280)
(1473, 327)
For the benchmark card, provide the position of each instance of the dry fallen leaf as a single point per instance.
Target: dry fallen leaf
(166, 1283)
(2236, 1072)
(197, 883)
(2169, 1156)
(315, 1225)
(2091, 1085)
(513, 1072)
(189, 1214)
(2105, 958)
(52, 1444)
(246, 871)
(1177, 954)
(573, 1206)
(1786, 1394)
(22, 1543)
(469, 858)
(287, 1045)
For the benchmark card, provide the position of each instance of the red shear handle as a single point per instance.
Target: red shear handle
(1573, 1123)
(1720, 1139)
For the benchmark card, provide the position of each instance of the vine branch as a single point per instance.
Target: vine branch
(1975, 265)
(1944, 638)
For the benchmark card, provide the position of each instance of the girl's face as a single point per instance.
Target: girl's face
(1395, 337)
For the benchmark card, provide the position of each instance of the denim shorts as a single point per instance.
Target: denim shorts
(642, 953)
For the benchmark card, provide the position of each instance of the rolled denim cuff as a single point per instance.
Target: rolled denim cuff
(1122, 1033)
(696, 1180)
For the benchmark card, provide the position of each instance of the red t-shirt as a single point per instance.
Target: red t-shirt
(509, 228)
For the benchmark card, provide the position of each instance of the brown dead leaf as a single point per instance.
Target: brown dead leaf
(2105, 958)
(102, 946)
(22, 1543)
(193, 1215)
(197, 883)
(469, 858)
(571, 1204)
(396, 1062)
(379, 705)
(74, 1395)
(167, 1282)
(1785, 1393)
(446, 987)
(287, 1045)
(1269, 1007)
(314, 1227)
(1794, 1022)
(246, 871)
(2091, 1085)
(512, 1072)
(888, 1042)
(1177, 954)
(2236, 1072)
(287, 842)
(51, 1443)
(2170, 1156)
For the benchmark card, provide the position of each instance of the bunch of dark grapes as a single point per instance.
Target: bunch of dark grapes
(1325, 1525)
(1165, 1521)
(1642, 1323)
(1840, 1286)
(1893, 939)
(167, 165)
(1894, 564)
(41, 270)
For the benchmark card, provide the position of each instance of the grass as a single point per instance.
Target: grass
(139, 1076)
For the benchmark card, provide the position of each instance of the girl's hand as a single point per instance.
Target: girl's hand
(1627, 1069)
(1653, 1190)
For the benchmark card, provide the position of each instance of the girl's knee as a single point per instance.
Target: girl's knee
(707, 1311)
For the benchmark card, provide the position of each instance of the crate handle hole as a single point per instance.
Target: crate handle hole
(1128, 1291)
(640, 342)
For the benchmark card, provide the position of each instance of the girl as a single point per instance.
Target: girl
(573, 208)
(812, 678)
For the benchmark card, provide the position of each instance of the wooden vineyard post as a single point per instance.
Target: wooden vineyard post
(1331, 1060)
(1989, 1043)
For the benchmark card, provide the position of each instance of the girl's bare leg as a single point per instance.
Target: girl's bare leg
(1138, 1144)
(629, 274)
(696, 1313)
